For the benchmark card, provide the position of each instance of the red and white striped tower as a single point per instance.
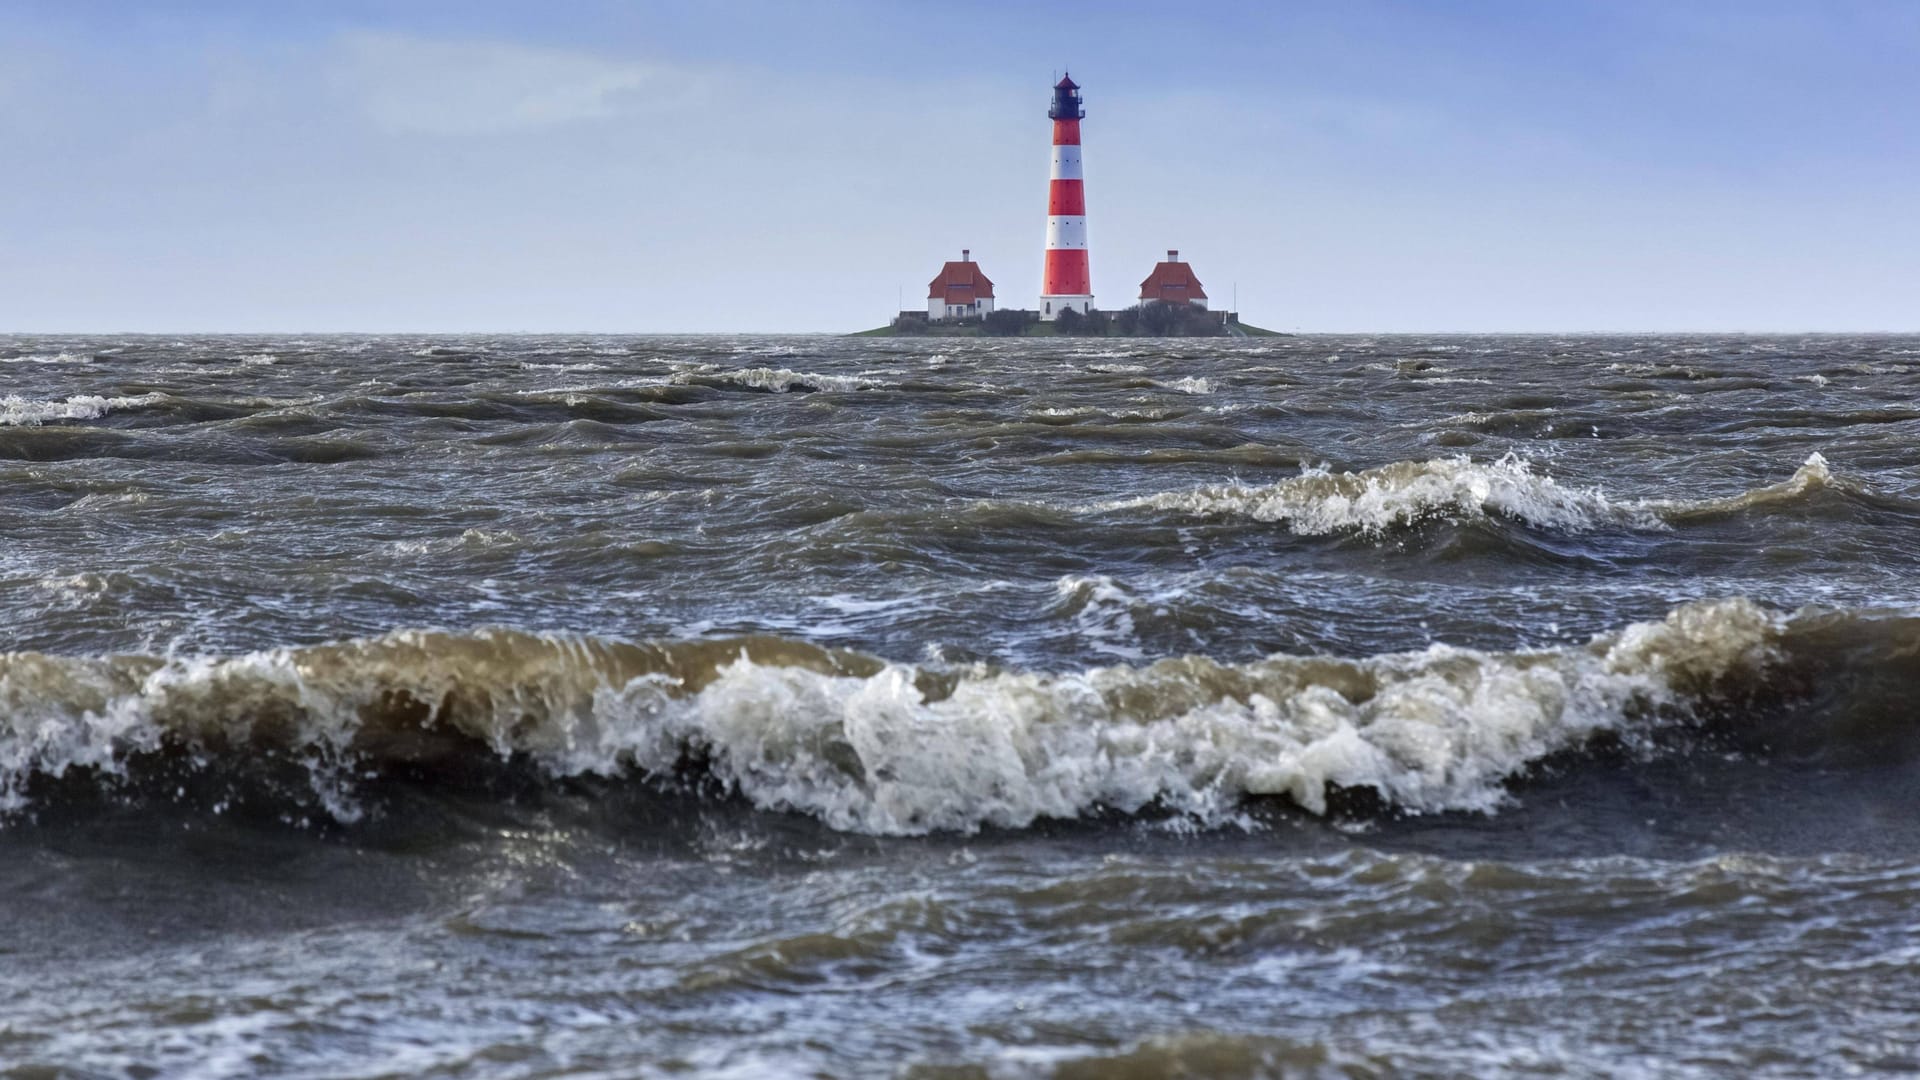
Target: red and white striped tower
(1065, 282)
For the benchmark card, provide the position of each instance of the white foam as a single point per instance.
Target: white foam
(780, 380)
(1319, 502)
(469, 540)
(584, 365)
(75, 591)
(1102, 614)
(1436, 730)
(1431, 731)
(17, 411)
(1191, 384)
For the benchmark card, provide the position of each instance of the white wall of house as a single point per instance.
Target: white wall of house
(938, 308)
(1052, 306)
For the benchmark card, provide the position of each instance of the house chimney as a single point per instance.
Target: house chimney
(966, 255)
(1172, 255)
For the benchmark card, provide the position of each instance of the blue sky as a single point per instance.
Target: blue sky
(1347, 166)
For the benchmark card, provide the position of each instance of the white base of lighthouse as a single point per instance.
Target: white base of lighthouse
(1052, 306)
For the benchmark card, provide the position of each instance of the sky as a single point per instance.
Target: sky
(751, 166)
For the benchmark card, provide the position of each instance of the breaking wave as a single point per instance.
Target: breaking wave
(775, 380)
(1320, 502)
(1813, 476)
(870, 746)
(1101, 613)
(17, 411)
(1190, 384)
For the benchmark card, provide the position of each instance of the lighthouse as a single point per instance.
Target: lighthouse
(1065, 281)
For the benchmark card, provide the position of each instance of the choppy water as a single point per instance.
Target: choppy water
(810, 706)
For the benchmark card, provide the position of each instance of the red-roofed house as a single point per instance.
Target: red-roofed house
(961, 291)
(1172, 282)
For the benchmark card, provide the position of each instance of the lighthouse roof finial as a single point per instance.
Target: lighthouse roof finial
(1066, 83)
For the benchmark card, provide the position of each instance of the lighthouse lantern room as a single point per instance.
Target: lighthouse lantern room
(1065, 281)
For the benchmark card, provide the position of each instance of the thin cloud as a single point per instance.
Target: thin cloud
(423, 86)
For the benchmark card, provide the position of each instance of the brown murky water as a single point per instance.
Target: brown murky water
(812, 706)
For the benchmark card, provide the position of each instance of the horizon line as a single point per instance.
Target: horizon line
(1692, 332)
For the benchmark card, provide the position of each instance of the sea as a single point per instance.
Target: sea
(809, 706)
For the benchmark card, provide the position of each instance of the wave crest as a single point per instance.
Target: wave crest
(776, 380)
(1813, 476)
(883, 748)
(17, 411)
(1320, 502)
